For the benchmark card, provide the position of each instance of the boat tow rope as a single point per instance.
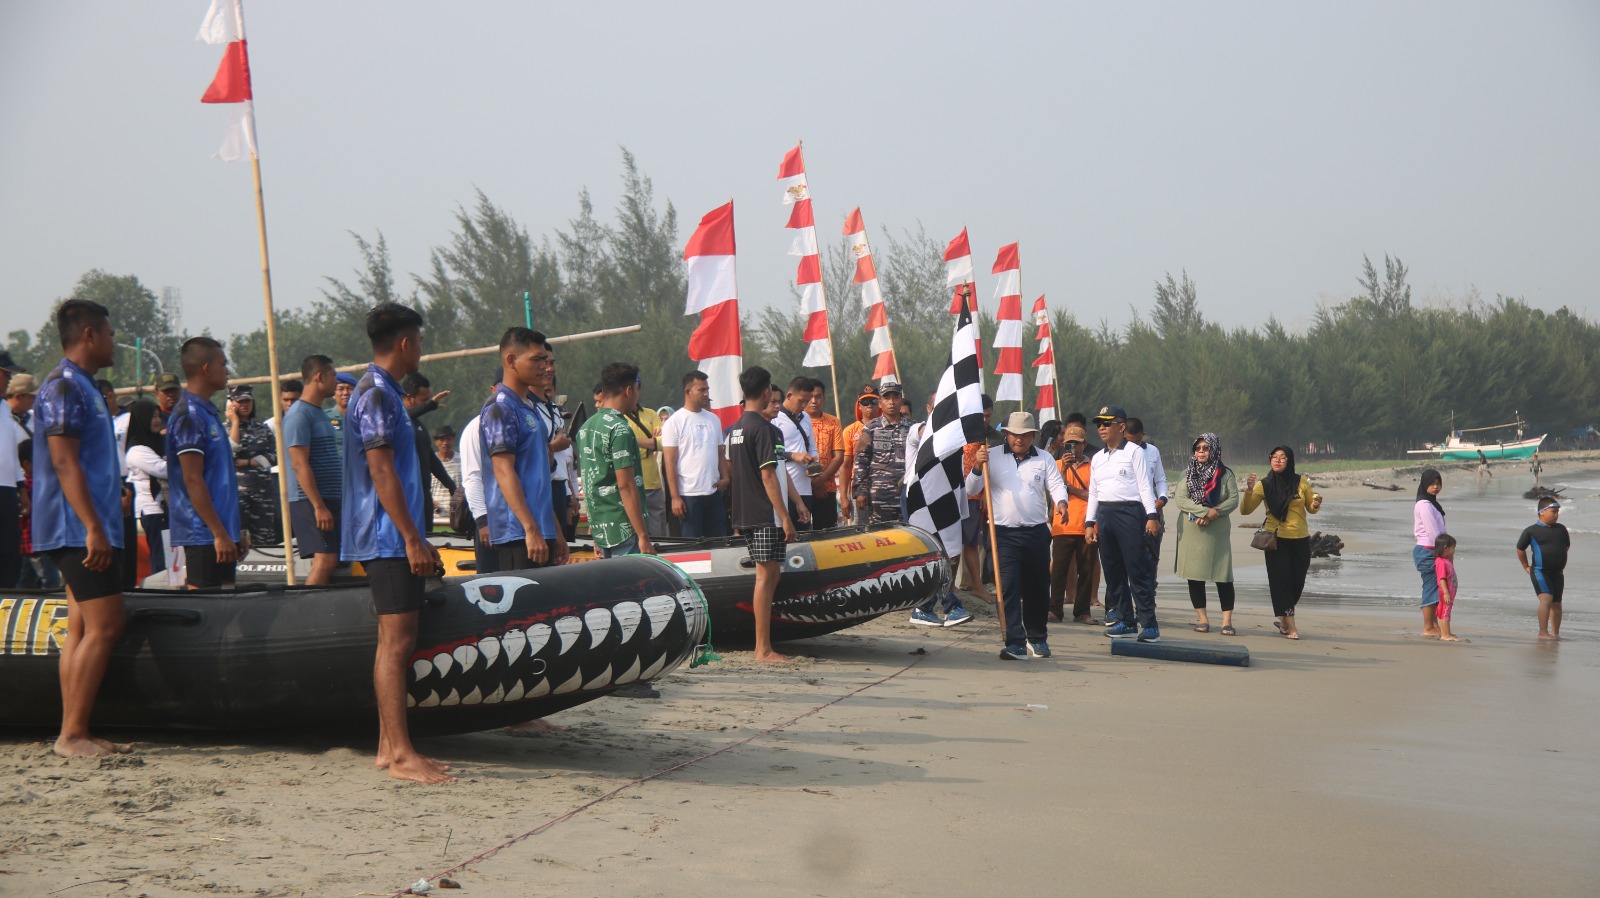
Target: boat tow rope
(682, 765)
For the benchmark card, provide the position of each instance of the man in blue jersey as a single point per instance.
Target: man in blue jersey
(203, 500)
(383, 523)
(316, 470)
(77, 514)
(522, 521)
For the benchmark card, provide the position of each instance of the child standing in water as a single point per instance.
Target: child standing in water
(1444, 570)
(1547, 541)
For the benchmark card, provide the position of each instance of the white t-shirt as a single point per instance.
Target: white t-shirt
(698, 438)
(145, 465)
(470, 451)
(11, 436)
(796, 439)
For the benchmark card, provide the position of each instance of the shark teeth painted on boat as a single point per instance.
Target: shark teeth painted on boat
(840, 603)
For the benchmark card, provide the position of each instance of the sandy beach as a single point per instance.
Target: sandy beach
(894, 760)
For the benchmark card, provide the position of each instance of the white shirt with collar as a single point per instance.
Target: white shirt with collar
(1024, 491)
(470, 452)
(914, 438)
(796, 438)
(1120, 475)
(1158, 471)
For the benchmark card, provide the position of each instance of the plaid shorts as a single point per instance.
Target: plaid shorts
(766, 543)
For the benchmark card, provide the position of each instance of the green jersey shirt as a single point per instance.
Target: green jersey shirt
(606, 443)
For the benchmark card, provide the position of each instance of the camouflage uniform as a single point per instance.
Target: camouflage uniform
(258, 488)
(881, 467)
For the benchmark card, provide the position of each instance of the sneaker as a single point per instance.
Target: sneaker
(1040, 649)
(1120, 630)
(1014, 653)
(926, 618)
(956, 617)
(1150, 634)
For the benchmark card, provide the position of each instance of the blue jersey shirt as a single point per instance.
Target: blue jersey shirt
(195, 426)
(376, 418)
(512, 424)
(69, 405)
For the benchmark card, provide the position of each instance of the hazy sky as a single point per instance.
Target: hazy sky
(1262, 146)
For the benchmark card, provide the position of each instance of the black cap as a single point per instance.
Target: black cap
(1110, 413)
(890, 386)
(7, 363)
(444, 432)
(165, 382)
(242, 391)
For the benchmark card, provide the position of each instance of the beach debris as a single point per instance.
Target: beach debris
(818, 792)
(1540, 492)
(1392, 487)
(919, 651)
(1325, 544)
(446, 882)
(1034, 708)
(420, 887)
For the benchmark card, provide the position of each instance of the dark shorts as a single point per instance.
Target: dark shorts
(395, 590)
(85, 584)
(513, 556)
(973, 525)
(766, 543)
(202, 570)
(307, 538)
(1543, 582)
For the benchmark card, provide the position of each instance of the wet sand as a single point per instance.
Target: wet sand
(1361, 760)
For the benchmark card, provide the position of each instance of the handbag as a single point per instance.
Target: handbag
(1265, 540)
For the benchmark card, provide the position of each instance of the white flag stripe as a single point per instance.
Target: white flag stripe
(871, 294)
(239, 142)
(722, 375)
(958, 271)
(220, 25)
(858, 244)
(1009, 283)
(1008, 333)
(880, 341)
(1010, 388)
(1046, 375)
(811, 299)
(711, 280)
(804, 243)
(794, 188)
(818, 355)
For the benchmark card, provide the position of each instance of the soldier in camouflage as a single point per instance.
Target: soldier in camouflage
(253, 461)
(881, 460)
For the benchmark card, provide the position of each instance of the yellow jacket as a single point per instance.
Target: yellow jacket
(649, 460)
(1296, 526)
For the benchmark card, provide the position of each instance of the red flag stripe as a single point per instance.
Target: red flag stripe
(885, 364)
(1007, 260)
(714, 237)
(1048, 357)
(1010, 309)
(794, 163)
(801, 216)
(1047, 396)
(816, 327)
(865, 270)
(1038, 305)
(853, 223)
(718, 333)
(232, 82)
(958, 248)
(1010, 361)
(877, 317)
(809, 272)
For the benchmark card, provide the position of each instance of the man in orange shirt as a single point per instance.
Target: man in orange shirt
(866, 410)
(830, 455)
(1071, 556)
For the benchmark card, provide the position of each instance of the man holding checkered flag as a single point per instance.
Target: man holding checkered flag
(937, 499)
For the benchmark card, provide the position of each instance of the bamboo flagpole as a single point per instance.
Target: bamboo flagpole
(224, 24)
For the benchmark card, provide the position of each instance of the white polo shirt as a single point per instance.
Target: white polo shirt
(698, 438)
(1158, 471)
(1121, 475)
(796, 439)
(1023, 492)
(470, 451)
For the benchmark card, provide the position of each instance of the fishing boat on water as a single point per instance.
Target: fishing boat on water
(1458, 446)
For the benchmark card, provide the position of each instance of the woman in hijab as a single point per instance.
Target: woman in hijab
(1205, 550)
(1427, 521)
(147, 471)
(1289, 499)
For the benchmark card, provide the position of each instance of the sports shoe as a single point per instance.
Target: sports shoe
(957, 616)
(1150, 634)
(926, 618)
(1014, 653)
(1120, 630)
(1040, 649)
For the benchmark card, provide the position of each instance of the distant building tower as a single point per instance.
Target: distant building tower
(172, 307)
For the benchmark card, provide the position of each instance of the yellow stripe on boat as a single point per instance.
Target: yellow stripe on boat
(880, 545)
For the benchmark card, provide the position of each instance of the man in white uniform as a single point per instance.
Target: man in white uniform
(1122, 518)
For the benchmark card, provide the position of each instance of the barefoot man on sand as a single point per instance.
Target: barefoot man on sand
(760, 513)
(383, 523)
(77, 514)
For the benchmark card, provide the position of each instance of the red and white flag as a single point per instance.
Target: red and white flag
(1045, 377)
(224, 24)
(1008, 333)
(855, 230)
(958, 271)
(714, 295)
(808, 278)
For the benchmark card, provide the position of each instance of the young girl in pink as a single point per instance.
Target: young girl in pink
(1444, 570)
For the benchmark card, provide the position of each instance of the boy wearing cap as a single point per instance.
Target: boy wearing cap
(1120, 517)
(75, 514)
(20, 395)
(1071, 556)
(880, 462)
(866, 410)
(1024, 487)
(1548, 540)
(203, 500)
(168, 388)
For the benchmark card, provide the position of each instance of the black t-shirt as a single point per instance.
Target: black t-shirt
(752, 445)
(1549, 543)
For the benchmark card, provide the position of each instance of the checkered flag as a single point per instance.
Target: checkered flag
(937, 501)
